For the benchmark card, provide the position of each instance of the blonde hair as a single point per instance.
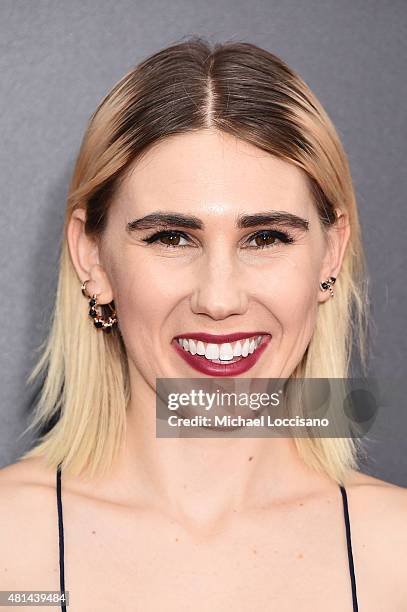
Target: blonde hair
(240, 89)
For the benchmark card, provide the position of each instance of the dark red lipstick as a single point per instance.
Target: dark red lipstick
(209, 368)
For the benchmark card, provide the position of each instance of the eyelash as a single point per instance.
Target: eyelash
(283, 237)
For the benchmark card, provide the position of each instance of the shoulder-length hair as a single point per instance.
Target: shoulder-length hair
(240, 89)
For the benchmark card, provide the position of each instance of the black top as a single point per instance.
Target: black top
(61, 543)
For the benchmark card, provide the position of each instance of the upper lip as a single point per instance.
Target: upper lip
(221, 338)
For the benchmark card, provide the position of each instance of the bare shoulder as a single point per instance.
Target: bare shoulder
(378, 517)
(378, 503)
(25, 469)
(28, 518)
(377, 495)
(26, 488)
(28, 478)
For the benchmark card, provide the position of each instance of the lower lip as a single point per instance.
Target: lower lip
(219, 369)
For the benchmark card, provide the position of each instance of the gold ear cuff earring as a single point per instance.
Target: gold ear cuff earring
(100, 322)
(325, 285)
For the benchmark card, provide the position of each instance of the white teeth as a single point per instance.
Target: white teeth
(238, 349)
(212, 351)
(223, 352)
(226, 351)
(200, 348)
(245, 348)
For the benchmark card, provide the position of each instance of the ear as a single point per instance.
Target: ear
(337, 240)
(84, 252)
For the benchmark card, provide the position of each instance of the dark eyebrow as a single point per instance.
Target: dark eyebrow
(160, 219)
(274, 217)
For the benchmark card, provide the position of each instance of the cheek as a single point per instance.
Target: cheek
(145, 294)
(297, 299)
(292, 293)
(141, 299)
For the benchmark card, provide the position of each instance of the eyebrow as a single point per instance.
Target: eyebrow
(164, 219)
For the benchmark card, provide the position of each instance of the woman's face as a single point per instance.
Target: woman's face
(214, 272)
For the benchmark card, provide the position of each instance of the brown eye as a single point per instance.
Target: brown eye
(167, 239)
(170, 239)
(264, 239)
(269, 238)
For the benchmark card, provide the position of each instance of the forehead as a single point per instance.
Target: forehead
(213, 173)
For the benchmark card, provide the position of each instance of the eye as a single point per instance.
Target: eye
(268, 238)
(167, 238)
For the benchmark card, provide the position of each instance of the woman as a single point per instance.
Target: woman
(211, 202)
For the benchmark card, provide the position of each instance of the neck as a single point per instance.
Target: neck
(202, 481)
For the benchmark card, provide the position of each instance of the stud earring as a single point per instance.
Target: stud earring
(99, 321)
(325, 285)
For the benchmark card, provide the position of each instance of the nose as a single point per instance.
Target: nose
(219, 290)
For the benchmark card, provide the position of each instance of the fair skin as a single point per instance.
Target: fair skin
(206, 524)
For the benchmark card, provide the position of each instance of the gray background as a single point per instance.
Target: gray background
(58, 58)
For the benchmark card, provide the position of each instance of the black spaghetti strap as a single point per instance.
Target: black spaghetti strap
(61, 539)
(349, 545)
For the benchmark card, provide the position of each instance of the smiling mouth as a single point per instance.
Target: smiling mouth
(221, 353)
